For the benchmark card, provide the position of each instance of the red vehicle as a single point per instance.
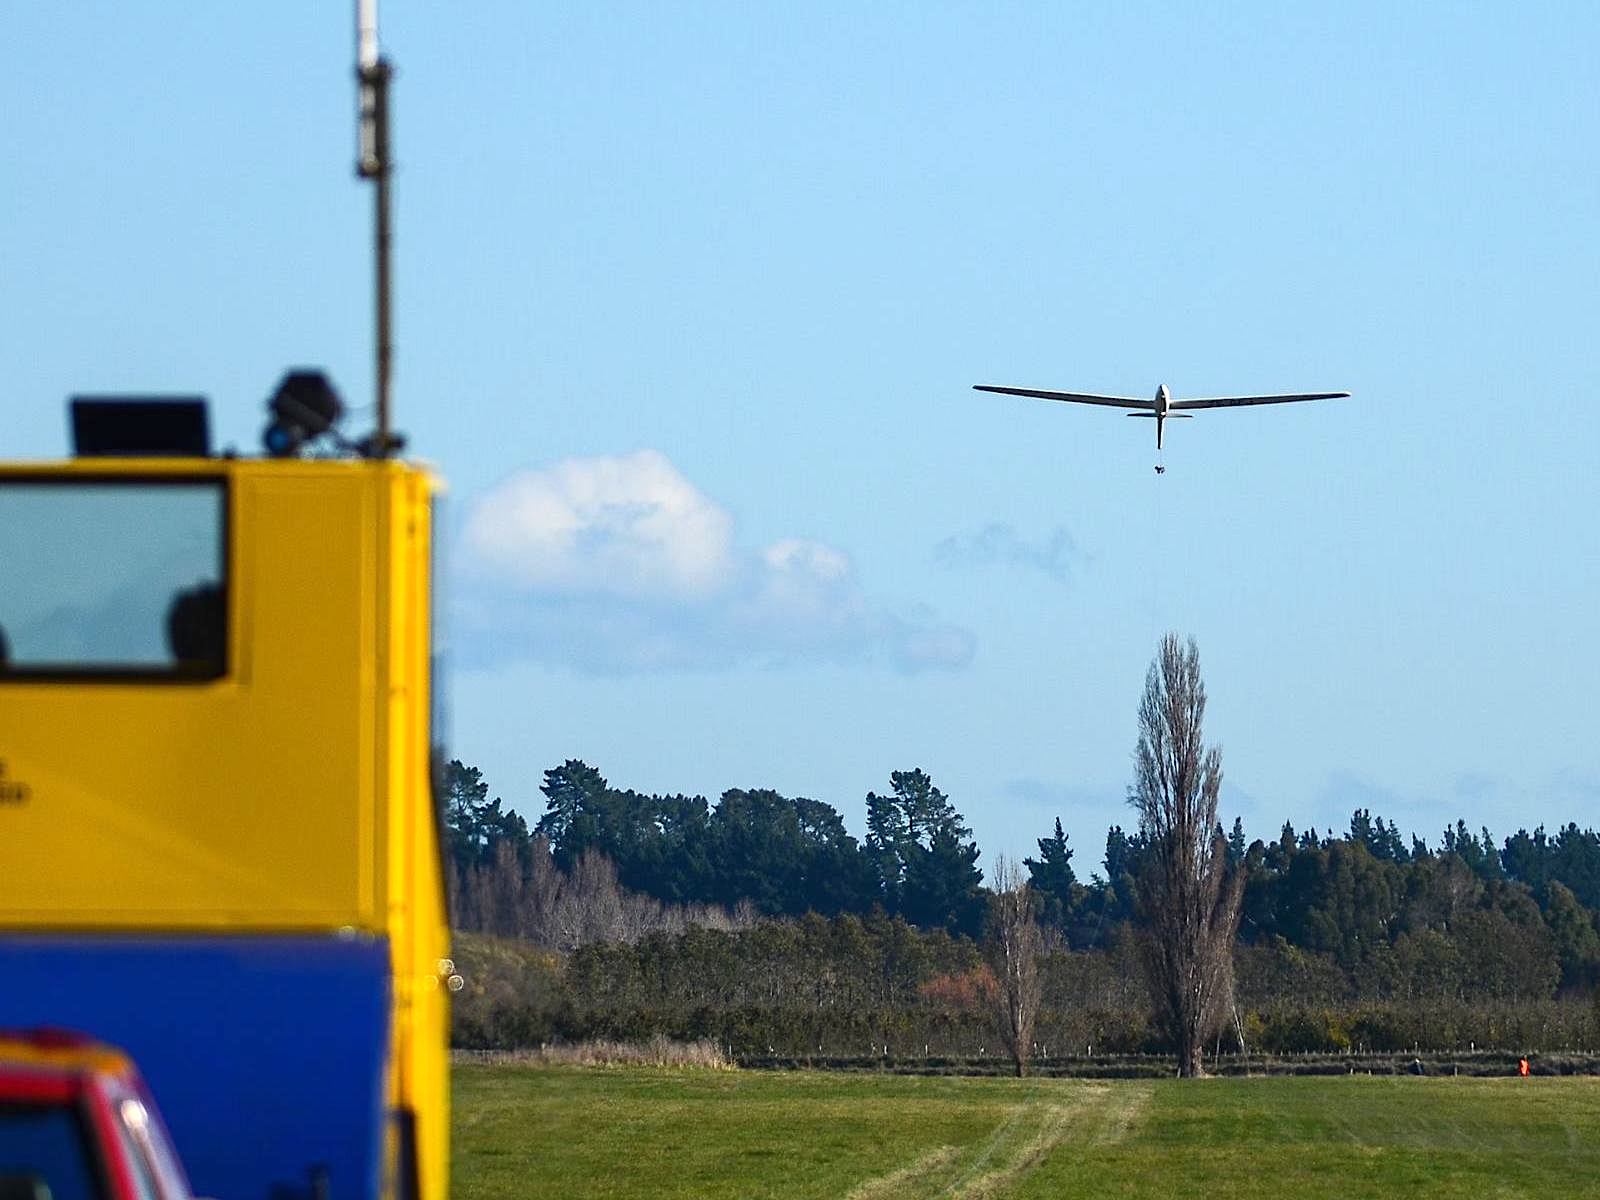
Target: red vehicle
(77, 1123)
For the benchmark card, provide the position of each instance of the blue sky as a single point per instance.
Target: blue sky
(690, 303)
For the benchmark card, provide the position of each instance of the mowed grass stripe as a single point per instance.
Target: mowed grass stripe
(647, 1133)
(920, 1178)
(1091, 1116)
(1044, 1115)
(1305, 1139)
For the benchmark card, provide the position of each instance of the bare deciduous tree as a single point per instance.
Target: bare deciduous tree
(1014, 945)
(1189, 896)
(589, 906)
(531, 898)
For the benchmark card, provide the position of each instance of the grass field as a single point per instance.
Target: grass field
(642, 1132)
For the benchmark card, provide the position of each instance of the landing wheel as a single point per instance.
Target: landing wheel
(1160, 470)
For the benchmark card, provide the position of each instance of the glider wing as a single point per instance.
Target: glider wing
(1074, 397)
(1236, 401)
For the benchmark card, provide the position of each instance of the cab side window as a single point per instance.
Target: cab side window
(112, 576)
(47, 1144)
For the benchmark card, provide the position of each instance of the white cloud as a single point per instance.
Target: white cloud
(620, 564)
(998, 544)
(624, 525)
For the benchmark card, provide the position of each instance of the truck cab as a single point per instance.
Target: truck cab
(78, 1123)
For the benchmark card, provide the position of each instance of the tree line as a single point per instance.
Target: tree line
(773, 854)
(602, 863)
(1400, 925)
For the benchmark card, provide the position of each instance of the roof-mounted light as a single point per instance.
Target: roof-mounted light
(304, 407)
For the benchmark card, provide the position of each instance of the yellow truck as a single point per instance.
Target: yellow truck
(219, 847)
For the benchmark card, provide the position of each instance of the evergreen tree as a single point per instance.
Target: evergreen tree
(1121, 854)
(888, 837)
(1051, 877)
(1389, 845)
(465, 797)
(678, 867)
(1478, 854)
(1361, 829)
(923, 855)
(1236, 843)
(573, 792)
(474, 825)
(1123, 861)
(1526, 858)
(1287, 841)
(1572, 929)
(786, 856)
(1575, 861)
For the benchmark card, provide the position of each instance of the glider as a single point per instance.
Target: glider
(1163, 406)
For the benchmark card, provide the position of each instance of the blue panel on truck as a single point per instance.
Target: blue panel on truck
(265, 1054)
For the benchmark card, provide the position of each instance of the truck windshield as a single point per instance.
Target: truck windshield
(45, 1144)
(112, 577)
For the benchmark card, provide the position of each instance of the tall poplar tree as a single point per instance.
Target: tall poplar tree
(1189, 895)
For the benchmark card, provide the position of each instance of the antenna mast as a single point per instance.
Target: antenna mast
(373, 73)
